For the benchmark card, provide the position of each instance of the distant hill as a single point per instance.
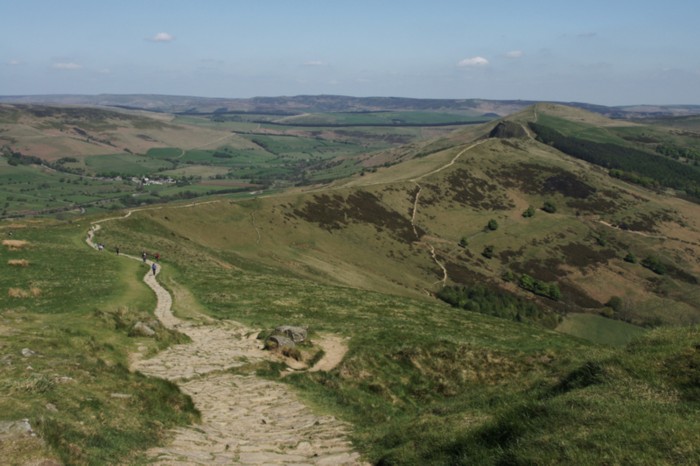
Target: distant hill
(332, 103)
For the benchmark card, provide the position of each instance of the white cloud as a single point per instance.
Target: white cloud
(162, 37)
(14, 62)
(473, 62)
(515, 54)
(314, 63)
(67, 66)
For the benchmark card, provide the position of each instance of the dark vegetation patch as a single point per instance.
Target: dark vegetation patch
(508, 254)
(590, 373)
(508, 129)
(684, 372)
(498, 303)
(633, 165)
(335, 212)
(477, 192)
(595, 204)
(545, 270)
(548, 271)
(581, 255)
(646, 222)
(460, 273)
(573, 295)
(568, 185)
(532, 178)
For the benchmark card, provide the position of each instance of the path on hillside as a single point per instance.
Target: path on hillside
(423, 239)
(245, 419)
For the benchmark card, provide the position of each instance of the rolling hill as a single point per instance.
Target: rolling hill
(447, 264)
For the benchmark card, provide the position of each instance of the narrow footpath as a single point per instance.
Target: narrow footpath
(245, 419)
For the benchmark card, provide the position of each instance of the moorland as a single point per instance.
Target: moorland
(514, 283)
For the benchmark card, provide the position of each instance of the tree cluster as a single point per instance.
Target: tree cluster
(631, 164)
(496, 303)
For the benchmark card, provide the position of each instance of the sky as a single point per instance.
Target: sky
(612, 52)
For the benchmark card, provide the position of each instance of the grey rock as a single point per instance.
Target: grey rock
(15, 427)
(279, 342)
(296, 334)
(26, 352)
(140, 329)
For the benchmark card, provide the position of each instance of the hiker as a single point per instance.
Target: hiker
(154, 267)
(143, 256)
(100, 246)
(157, 256)
(117, 250)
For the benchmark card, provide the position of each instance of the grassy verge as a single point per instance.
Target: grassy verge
(67, 312)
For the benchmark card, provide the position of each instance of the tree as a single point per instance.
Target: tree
(529, 212)
(492, 225)
(487, 252)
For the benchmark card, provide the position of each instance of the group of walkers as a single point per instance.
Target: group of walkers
(144, 256)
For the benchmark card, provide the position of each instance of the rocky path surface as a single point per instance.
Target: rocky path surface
(245, 419)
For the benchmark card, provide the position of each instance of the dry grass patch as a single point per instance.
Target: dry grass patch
(18, 262)
(32, 292)
(15, 244)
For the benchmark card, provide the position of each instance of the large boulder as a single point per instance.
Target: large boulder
(296, 334)
(140, 329)
(279, 342)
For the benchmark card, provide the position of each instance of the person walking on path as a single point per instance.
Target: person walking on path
(154, 267)
(117, 250)
(143, 256)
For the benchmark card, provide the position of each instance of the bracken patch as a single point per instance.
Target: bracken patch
(18, 262)
(15, 244)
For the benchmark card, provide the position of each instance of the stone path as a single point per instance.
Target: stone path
(245, 419)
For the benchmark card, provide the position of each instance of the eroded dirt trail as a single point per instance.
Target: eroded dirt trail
(245, 419)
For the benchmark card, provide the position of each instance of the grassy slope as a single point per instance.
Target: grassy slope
(74, 307)
(426, 384)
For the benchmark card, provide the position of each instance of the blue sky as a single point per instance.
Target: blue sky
(612, 52)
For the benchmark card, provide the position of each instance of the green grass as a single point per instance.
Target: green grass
(164, 152)
(125, 164)
(599, 329)
(74, 307)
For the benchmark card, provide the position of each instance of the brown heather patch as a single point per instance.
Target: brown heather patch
(18, 262)
(15, 244)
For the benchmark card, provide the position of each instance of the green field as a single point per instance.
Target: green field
(599, 329)
(125, 165)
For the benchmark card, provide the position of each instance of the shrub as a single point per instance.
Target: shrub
(487, 252)
(631, 258)
(549, 207)
(529, 212)
(655, 265)
(492, 225)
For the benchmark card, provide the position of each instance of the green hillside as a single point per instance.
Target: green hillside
(517, 237)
